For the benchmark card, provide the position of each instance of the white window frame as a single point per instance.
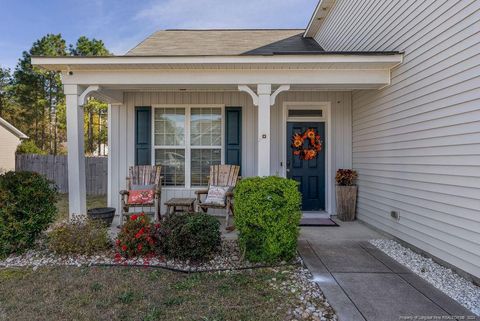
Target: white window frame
(188, 147)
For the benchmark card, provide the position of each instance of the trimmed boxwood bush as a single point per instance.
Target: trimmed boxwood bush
(27, 207)
(267, 215)
(194, 236)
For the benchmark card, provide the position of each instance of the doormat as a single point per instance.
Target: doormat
(317, 222)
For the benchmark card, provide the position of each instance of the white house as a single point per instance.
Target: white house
(391, 87)
(10, 138)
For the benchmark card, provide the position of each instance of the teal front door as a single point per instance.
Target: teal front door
(310, 174)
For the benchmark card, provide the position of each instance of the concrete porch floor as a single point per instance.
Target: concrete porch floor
(364, 284)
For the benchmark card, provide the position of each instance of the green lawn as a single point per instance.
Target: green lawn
(126, 293)
(92, 201)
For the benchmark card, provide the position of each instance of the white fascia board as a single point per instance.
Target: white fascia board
(312, 19)
(12, 129)
(380, 77)
(319, 15)
(132, 62)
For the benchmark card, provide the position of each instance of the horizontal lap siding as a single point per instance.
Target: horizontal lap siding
(8, 146)
(416, 143)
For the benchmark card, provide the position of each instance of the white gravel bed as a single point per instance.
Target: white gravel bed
(309, 303)
(228, 258)
(444, 279)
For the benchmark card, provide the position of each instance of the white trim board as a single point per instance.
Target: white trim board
(385, 60)
(326, 118)
(345, 78)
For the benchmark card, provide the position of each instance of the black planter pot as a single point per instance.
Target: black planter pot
(104, 214)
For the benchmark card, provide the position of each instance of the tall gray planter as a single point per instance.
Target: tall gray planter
(346, 202)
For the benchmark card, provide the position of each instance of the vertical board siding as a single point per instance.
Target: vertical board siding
(416, 143)
(123, 145)
(133, 99)
(55, 168)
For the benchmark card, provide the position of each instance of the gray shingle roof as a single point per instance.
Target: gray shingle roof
(224, 42)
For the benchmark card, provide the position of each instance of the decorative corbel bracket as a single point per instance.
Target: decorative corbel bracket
(254, 96)
(106, 95)
(278, 91)
(249, 91)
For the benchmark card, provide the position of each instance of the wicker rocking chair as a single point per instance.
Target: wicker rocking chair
(142, 175)
(220, 175)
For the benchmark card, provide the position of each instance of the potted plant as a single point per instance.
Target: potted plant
(104, 214)
(346, 192)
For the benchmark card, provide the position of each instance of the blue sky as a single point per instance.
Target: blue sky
(121, 24)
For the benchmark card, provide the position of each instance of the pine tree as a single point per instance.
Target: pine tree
(95, 134)
(34, 98)
(5, 81)
(39, 92)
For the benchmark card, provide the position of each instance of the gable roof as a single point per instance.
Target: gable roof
(221, 42)
(5, 124)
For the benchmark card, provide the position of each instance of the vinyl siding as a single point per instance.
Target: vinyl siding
(8, 146)
(416, 143)
(122, 131)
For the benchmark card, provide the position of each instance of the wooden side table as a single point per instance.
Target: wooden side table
(187, 205)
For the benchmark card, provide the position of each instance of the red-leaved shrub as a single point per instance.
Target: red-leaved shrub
(138, 237)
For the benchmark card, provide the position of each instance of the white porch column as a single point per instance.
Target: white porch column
(76, 154)
(263, 99)
(114, 179)
(263, 92)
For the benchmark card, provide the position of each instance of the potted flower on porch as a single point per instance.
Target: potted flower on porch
(346, 192)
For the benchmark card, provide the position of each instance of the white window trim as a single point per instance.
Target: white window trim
(325, 106)
(188, 147)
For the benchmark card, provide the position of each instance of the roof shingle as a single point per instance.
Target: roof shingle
(224, 43)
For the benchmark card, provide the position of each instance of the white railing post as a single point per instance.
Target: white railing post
(76, 153)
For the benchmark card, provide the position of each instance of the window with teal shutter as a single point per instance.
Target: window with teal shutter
(233, 136)
(143, 135)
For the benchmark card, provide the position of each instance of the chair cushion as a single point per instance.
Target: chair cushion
(141, 196)
(217, 195)
(142, 187)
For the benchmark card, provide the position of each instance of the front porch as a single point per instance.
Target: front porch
(176, 112)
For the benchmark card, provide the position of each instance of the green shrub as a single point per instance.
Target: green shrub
(81, 235)
(267, 215)
(138, 237)
(27, 207)
(29, 147)
(194, 236)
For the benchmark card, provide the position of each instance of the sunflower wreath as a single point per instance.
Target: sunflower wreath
(314, 144)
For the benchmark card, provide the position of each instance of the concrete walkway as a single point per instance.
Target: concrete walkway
(364, 284)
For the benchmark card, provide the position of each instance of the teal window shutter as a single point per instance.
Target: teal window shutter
(233, 135)
(143, 135)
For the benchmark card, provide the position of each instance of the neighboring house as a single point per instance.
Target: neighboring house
(10, 138)
(392, 88)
